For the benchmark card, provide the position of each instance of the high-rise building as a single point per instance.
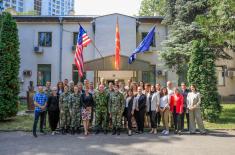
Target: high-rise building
(57, 7)
(41, 7)
(17, 5)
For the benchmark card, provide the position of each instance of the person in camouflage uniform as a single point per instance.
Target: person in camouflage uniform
(116, 106)
(74, 108)
(64, 110)
(48, 92)
(71, 87)
(101, 110)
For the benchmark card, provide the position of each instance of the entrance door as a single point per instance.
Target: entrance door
(108, 81)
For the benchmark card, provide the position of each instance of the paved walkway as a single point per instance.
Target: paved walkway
(21, 143)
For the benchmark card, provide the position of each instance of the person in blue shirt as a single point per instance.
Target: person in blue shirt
(40, 103)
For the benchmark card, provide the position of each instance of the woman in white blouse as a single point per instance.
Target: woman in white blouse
(193, 103)
(152, 102)
(165, 109)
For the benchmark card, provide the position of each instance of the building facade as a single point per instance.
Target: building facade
(47, 46)
(56, 7)
(17, 5)
(41, 7)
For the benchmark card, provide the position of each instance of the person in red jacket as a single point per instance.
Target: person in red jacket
(176, 107)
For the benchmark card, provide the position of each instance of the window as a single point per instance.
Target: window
(220, 76)
(45, 39)
(75, 37)
(149, 76)
(76, 77)
(43, 74)
(20, 9)
(153, 44)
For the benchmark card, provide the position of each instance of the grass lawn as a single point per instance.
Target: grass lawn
(25, 122)
(226, 120)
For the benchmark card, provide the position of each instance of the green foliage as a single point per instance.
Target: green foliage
(9, 64)
(152, 7)
(180, 15)
(202, 73)
(219, 26)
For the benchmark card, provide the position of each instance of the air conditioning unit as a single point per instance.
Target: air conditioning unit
(159, 72)
(231, 74)
(27, 72)
(73, 48)
(38, 50)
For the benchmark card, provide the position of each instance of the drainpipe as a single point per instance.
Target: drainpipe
(61, 41)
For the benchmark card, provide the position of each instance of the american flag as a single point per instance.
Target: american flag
(82, 41)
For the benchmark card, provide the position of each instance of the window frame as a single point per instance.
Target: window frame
(75, 71)
(43, 82)
(223, 76)
(144, 34)
(41, 45)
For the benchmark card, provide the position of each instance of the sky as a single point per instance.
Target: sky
(102, 7)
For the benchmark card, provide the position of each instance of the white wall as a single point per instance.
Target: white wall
(28, 36)
(105, 34)
(67, 54)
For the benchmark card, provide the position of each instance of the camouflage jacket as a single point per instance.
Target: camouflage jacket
(116, 102)
(64, 101)
(101, 101)
(75, 101)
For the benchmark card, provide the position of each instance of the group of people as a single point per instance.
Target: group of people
(117, 106)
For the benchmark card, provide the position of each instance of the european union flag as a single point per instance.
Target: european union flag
(143, 46)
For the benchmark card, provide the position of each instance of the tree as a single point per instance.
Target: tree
(180, 16)
(190, 20)
(9, 64)
(152, 7)
(219, 26)
(202, 73)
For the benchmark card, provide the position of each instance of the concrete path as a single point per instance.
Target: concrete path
(22, 143)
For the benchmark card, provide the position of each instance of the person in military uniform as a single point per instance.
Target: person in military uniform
(109, 90)
(74, 108)
(71, 87)
(48, 92)
(101, 110)
(64, 110)
(116, 106)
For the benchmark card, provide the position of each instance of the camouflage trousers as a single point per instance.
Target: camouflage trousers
(101, 120)
(117, 120)
(65, 119)
(75, 118)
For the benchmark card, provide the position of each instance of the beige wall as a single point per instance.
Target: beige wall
(112, 75)
(229, 82)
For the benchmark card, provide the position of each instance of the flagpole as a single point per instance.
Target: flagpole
(97, 49)
(94, 45)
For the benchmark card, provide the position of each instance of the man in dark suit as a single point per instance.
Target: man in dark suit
(184, 92)
(140, 110)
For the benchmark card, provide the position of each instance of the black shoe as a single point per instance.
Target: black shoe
(35, 135)
(97, 132)
(114, 132)
(118, 131)
(67, 130)
(42, 132)
(105, 132)
(179, 132)
(72, 131)
(78, 131)
(203, 133)
(63, 131)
